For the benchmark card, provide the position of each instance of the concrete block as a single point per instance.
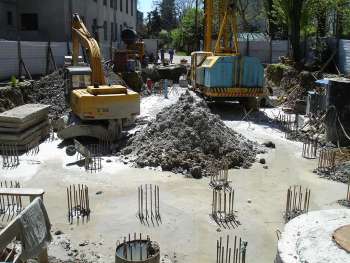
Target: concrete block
(24, 116)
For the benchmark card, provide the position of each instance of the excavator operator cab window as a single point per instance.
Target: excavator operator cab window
(76, 77)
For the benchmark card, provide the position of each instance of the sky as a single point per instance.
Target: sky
(145, 6)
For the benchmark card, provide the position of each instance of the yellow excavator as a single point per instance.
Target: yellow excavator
(98, 110)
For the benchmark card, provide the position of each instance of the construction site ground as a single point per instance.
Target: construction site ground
(186, 234)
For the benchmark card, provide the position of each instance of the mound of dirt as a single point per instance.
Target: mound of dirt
(187, 138)
(50, 90)
(10, 97)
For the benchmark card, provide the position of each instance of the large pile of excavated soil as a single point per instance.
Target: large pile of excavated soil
(50, 90)
(187, 138)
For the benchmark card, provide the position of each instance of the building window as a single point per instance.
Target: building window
(116, 32)
(111, 3)
(115, 4)
(120, 31)
(105, 33)
(127, 6)
(104, 2)
(132, 7)
(121, 5)
(29, 22)
(9, 19)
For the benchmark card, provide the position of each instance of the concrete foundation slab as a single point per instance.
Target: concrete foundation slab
(24, 116)
(8, 138)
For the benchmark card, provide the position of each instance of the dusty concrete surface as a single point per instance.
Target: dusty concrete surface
(185, 203)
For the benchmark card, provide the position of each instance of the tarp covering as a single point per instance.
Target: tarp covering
(34, 228)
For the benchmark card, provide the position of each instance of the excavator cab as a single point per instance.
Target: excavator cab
(76, 77)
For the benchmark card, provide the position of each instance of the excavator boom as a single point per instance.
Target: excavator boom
(80, 35)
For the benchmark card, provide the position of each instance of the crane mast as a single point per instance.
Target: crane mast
(227, 41)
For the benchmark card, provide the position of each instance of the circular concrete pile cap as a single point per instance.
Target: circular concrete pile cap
(309, 238)
(342, 237)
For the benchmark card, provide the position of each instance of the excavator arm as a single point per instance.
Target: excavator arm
(81, 36)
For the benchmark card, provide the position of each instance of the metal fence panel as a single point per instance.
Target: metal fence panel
(344, 56)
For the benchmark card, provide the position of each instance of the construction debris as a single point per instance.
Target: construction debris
(187, 138)
(50, 90)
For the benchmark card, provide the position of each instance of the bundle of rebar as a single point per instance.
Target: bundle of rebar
(220, 180)
(10, 155)
(91, 154)
(78, 203)
(326, 161)
(348, 191)
(148, 204)
(10, 205)
(287, 122)
(310, 147)
(33, 148)
(222, 208)
(136, 249)
(298, 202)
(228, 254)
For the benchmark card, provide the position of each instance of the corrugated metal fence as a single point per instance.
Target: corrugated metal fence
(34, 54)
(344, 56)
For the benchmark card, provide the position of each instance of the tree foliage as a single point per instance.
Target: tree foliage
(184, 37)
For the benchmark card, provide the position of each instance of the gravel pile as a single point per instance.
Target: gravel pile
(187, 138)
(50, 90)
(340, 174)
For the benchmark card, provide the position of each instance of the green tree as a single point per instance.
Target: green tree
(290, 13)
(184, 36)
(153, 23)
(168, 14)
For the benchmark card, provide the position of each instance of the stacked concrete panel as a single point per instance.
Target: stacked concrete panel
(24, 126)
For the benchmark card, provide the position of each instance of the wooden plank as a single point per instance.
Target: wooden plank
(342, 237)
(22, 191)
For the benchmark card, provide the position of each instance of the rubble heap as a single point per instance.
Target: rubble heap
(49, 90)
(187, 138)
